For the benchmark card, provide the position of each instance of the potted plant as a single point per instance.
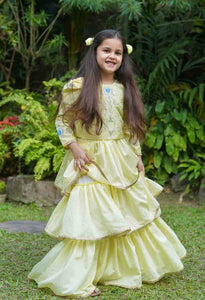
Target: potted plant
(2, 191)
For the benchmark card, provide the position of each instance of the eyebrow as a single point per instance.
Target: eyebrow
(106, 47)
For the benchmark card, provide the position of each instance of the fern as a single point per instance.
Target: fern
(43, 165)
(46, 148)
(24, 145)
(57, 159)
(192, 96)
(169, 59)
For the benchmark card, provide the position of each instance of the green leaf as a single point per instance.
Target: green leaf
(158, 158)
(159, 106)
(201, 92)
(191, 135)
(183, 165)
(191, 176)
(192, 95)
(183, 143)
(169, 143)
(183, 176)
(57, 159)
(184, 116)
(197, 174)
(177, 139)
(159, 141)
(42, 165)
(200, 133)
(168, 164)
(191, 168)
(150, 140)
(175, 154)
(177, 115)
(169, 130)
(167, 118)
(187, 189)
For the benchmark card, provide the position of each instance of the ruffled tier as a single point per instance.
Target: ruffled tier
(73, 268)
(94, 211)
(113, 162)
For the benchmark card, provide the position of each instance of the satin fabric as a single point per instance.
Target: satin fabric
(102, 210)
(113, 162)
(73, 267)
(110, 224)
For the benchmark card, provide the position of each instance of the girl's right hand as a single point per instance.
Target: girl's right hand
(81, 158)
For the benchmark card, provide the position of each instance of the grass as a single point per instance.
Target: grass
(21, 251)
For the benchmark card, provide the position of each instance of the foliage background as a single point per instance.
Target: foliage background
(42, 44)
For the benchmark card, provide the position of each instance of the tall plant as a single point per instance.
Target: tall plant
(170, 60)
(31, 33)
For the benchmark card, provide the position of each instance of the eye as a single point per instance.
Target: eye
(106, 50)
(118, 53)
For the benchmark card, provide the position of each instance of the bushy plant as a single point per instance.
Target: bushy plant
(194, 171)
(2, 187)
(34, 140)
(29, 142)
(174, 135)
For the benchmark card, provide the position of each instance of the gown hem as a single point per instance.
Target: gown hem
(123, 232)
(118, 285)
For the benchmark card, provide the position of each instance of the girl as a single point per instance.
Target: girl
(108, 218)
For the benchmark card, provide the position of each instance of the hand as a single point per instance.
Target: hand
(81, 158)
(140, 165)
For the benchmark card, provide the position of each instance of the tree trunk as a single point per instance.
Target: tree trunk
(75, 36)
(28, 77)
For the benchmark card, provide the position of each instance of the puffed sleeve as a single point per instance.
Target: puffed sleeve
(134, 144)
(70, 93)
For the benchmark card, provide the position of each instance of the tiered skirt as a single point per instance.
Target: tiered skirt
(110, 236)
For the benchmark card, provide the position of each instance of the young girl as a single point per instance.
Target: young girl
(108, 218)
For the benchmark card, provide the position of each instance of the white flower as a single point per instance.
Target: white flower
(129, 49)
(89, 41)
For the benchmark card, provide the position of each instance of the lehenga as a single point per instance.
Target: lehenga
(108, 219)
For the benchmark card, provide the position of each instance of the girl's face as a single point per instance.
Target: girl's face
(109, 56)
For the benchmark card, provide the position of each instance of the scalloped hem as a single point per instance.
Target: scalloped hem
(124, 232)
(90, 205)
(78, 266)
(117, 285)
(144, 281)
(121, 233)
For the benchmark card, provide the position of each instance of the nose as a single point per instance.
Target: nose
(112, 55)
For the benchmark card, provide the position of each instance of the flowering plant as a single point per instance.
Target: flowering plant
(10, 121)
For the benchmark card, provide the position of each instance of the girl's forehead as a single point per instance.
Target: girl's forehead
(112, 43)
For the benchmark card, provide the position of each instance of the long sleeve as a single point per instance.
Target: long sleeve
(69, 94)
(65, 133)
(135, 145)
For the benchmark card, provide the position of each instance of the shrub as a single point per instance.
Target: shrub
(2, 187)
(33, 140)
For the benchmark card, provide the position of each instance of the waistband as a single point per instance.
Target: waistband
(97, 139)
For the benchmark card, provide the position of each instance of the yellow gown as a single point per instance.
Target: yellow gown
(108, 219)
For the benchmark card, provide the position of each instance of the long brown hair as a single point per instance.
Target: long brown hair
(86, 107)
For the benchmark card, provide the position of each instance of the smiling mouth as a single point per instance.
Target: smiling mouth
(110, 63)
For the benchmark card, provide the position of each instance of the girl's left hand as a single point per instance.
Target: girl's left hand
(140, 165)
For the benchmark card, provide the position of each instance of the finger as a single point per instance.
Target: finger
(79, 165)
(75, 165)
(88, 158)
(84, 167)
(140, 168)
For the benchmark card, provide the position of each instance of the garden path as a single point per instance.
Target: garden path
(23, 226)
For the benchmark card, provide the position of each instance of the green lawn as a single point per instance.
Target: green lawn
(20, 251)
